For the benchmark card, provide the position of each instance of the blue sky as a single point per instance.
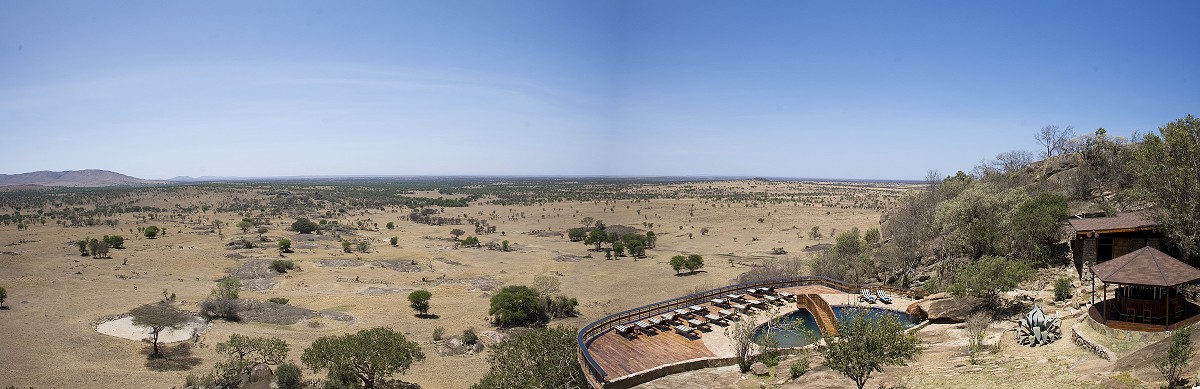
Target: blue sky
(760, 88)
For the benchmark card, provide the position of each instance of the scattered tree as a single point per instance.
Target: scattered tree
(596, 237)
(1054, 139)
(470, 241)
(390, 225)
(151, 232)
(158, 317)
(244, 353)
(546, 284)
(304, 226)
(866, 344)
(456, 233)
(395, 241)
(694, 262)
(516, 305)
(3, 296)
(282, 265)
(419, 301)
(542, 358)
(678, 262)
(371, 356)
(245, 225)
(289, 376)
(285, 245)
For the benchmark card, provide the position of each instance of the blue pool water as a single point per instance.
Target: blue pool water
(812, 333)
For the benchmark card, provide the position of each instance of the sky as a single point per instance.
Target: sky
(856, 90)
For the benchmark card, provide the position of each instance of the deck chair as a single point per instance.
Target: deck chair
(883, 297)
(865, 295)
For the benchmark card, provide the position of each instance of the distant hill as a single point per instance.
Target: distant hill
(76, 178)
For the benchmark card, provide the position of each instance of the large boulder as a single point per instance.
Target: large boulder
(943, 308)
(760, 369)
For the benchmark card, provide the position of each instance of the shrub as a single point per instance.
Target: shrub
(304, 226)
(438, 333)
(545, 356)
(516, 305)
(115, 241)
(371, 355)
(1178, 356)
(469, 337)
(282, 265)
(151, 232)
(418, 300)
(390, 225)
(288, 376)
(279, 300)
(800, 366)
(395, 241)
(989, 276)
(1062, 289)
(285, 245)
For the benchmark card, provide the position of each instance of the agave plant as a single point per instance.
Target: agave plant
(1037, 329)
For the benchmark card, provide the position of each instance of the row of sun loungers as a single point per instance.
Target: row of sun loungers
(869, 297)
(691, 318)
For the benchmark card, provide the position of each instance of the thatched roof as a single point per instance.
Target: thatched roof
(1125, 222)
(1146, 266)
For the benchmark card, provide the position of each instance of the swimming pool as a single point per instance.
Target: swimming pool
(811, 333)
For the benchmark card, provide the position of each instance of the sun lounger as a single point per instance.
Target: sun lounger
(624, 328)
(718, 301)
(865, 295)
(882, 297)
(684, 330)
(696, 308)
(739, 307)
(655, 320)
(712, 317)
(785, 295)
(725, 312)
(770, 299)
(642, 324)
(682, 312)
(734, 296)
(669, 316)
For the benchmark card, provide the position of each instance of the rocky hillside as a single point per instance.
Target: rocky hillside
(75, 178)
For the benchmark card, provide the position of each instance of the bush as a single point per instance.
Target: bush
(151, 232)
(1178, 356)
(418, 300)
(516, 305)
(800, 366)
(544, 358)
(279, 300)
(288, 376)
(285, 245)
(304, 226)
(282, 265)
(115, 241)
(438, 333)
(469, 337)
(1062, 289)
(989, 276)
(395, 241)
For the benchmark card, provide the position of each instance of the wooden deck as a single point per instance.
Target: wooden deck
(1094, 312)
(620, 356)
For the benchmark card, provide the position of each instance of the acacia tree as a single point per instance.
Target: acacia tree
(246, 353)
(369, 355)
(418, 300)
(1178, 355)
(517, 305)
(865, 344)
(596, 237)
(158, 317)
(151, 232)
(543, 358)
(457, 233)
(694, 262)
(1168, 169)
(677, 262)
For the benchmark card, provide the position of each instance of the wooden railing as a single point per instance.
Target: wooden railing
(596, 375)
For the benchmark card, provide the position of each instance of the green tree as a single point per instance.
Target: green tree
(1168, 172)
(651, 239)
(596, 237)
(115, 241)
(304, 226)
(151, 232)
(516, 305)
(576, 234)
(470, 241)
(282, 265)
(227, 288)
(694, 262)
(1178, 355)
(866, 344)
(289, 376)
(3, 296)
(1034, 227)
(390, 225)
(618, 248)
(158, 317)
(989, 276)
(457, 233)
(975, 222)
(245, 225)
(419, 301)
(504, 246)
(395, 241)
(83, 247)
(285, 245)
(371, 356)
(542, 358)
(244, 353)
(872, 236)
(346, 246)
(678, 262)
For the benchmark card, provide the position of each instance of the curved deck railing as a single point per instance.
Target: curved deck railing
(596, 375)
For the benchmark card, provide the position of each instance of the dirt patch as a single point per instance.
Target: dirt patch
(484, 283)
(123, 327)
(256, 275)
(818, 247)
(377, 291)
(569, 258)
(545, 234)
(400, 265)
(450, 262)
(272, 313)
(341, 263)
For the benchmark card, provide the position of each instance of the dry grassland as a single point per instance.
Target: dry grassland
(47, 338)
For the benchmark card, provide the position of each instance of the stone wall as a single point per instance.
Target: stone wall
(1090, 345)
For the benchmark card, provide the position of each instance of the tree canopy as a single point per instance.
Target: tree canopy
(304, 226)
(989, 276)
(867, 343)
(419, 301)
(542, 358)
(158, 317)
(244, 353)
(516, 305)
(1168, 173)
(371, 355)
